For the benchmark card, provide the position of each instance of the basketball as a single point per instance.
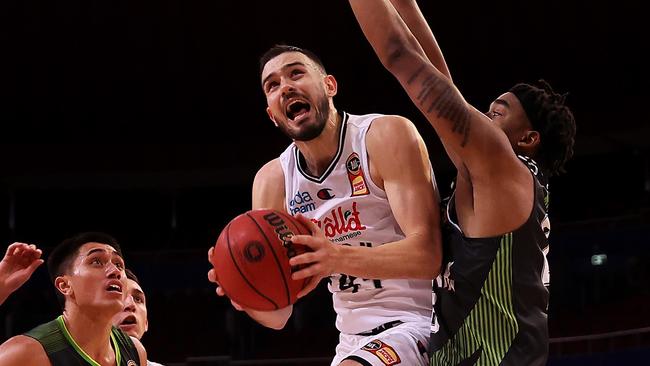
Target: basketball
(251, 259)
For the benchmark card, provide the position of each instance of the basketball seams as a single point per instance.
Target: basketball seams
(234, 261)
(292, 220)
(275, 256)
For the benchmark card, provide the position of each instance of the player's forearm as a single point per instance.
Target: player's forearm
(464, 131)
(271, 319)
(417, 24)
(401, 54)
(416, 256)
(385, 30)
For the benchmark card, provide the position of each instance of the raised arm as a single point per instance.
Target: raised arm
(463, 129)
(417, 24)
(19, 263)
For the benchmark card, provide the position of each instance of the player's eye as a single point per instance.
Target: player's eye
(492, 114)
(271, 85)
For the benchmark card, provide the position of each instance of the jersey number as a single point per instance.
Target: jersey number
(348, 282)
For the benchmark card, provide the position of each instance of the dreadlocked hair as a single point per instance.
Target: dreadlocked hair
(553, 120)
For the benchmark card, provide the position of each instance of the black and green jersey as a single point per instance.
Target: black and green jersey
(491, 298)
(62, 350)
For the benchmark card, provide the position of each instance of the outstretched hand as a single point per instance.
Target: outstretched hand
(320, 262)
(18, 264)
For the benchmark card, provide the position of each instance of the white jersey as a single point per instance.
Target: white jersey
(352, 210)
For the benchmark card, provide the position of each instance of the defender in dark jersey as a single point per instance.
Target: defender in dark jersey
(491, 298)
(88, 273)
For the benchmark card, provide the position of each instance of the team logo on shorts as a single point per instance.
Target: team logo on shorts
(355, 175)
(382, 351)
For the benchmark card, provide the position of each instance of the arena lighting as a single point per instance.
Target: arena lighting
(598, 259)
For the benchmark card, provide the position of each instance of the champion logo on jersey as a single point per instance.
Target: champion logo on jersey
(301, 202)
(325, 194)
(383, 351)
(355, 175)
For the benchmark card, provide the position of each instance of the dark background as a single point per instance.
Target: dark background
(145, 119)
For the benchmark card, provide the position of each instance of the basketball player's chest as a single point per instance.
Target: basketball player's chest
(342, 205)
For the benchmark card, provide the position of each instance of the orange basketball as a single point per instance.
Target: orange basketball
(251, 259)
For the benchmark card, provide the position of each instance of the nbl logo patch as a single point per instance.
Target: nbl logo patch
(355, 175)
(382, 351)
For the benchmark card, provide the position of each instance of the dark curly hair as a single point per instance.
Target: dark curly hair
(552, 119)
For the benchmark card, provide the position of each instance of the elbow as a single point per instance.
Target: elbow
(277, 325)
(432, 270)
(433, 266)
(430, 257)
(435, 269)
(274, 319)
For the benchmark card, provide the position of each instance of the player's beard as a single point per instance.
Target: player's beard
(310, 130)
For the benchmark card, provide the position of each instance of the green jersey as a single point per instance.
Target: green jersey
(62, 350)
(491, 298)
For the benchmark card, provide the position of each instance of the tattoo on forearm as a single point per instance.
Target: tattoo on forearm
(437, 95)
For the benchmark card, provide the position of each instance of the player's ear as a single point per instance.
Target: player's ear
(62, 284)
(331, 86)
(268, 111)
(529, 140)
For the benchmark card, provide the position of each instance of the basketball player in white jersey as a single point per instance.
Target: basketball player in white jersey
(372, 206)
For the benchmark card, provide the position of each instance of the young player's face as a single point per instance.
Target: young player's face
(508, 114)
(96, 278)
(297, 94)
(133, 317)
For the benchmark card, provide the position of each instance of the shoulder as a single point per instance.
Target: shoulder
(268, 186)
(142, 353)
(391, 133)
(391, 127)
(23, 350)
(270, 174)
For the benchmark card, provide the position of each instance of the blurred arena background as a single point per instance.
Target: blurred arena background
(145, 119)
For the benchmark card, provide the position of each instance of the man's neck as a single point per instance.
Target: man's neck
(91, 331)
(319, 152)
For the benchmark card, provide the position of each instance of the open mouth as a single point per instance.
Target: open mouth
(296, 109)
(114, 288)
(129, 320)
